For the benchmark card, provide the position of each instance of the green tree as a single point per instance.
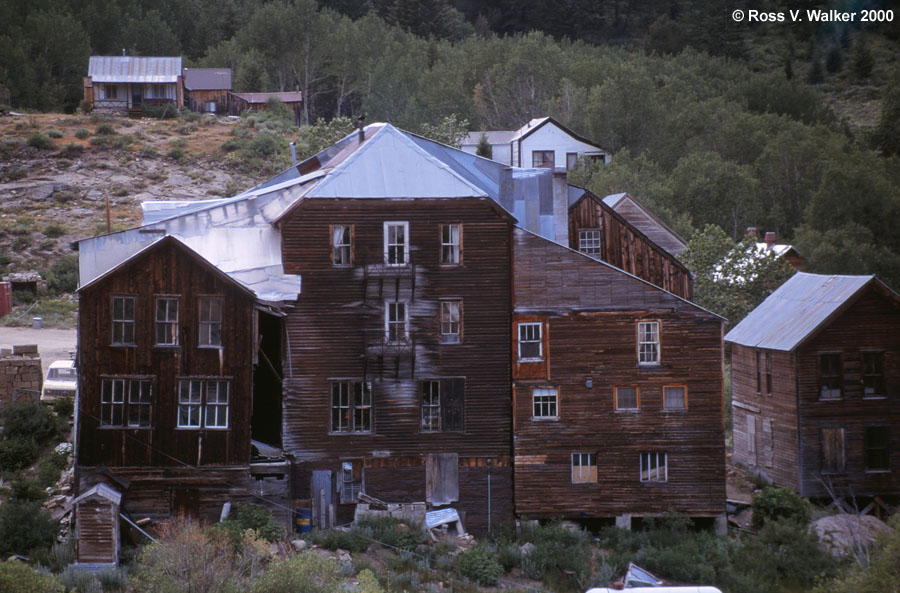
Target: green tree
(25, 526)
(484, 148)
(887, 134)
(862, 61)
(322, 134)
(18, 577)
(450, 131)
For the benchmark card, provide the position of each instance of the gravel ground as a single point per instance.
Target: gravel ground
(53, 344)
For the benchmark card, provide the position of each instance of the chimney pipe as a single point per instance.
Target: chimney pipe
(752, 232)
(771, 237)
(293, 154)
(361, 125)
(123, 51)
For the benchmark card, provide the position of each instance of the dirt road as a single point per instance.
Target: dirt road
(53, 344)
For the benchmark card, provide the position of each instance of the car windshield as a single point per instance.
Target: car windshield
(62, 374)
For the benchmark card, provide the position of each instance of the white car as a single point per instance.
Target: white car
(61, 381)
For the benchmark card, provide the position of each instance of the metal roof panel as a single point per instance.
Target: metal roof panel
(134, 69)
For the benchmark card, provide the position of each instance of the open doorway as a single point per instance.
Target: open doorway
(265, 424)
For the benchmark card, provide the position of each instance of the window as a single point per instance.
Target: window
(833, 457)
(351, 406)
(134, 412)
(758, 372)
(584, 468)
(589, 242)
(203, 403)
(877, 444)
(654, 467)
(830, 383)
(542, 159)
(530, 342)
(396, 322)
(450, 244)
(112, 91)
(210, 316)
(396, 243)
(674, 397)
(443, 403)
(768, 373)
(544, 402)
(451, 322)
(167, 321)
(351, 480)
(123, 321)
(341, 241)
(648, 342)
(571, 160)
(873, 374)
(627, 398)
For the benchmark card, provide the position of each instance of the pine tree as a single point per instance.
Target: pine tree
(834, 62)
(816, 75)
(484, 148)
(862, 60)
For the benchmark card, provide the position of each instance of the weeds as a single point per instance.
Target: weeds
(40, 141)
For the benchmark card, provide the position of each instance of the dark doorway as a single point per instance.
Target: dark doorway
(137, 96)
(265, 424)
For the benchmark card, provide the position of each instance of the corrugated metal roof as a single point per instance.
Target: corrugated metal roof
(259, 98)
(207, 79)
(796, 310)
(134, 69)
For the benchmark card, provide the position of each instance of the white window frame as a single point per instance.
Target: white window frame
(190, 403)
(654, 467)
(217, 400)
(392, 322)
(451, 329)
(649, 350)
(140, 403)
(524, 330)
(391, 246)
(169, 323)
(581, 468)
(451, 246)
(342, 245)
(545, 403)
(209, 327)
(112, 402)
(121, 321)
(590, 242)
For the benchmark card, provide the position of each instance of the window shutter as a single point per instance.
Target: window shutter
(453, 399)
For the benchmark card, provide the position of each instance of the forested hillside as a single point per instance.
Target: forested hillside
(790, 127)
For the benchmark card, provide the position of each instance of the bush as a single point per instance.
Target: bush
(25, 489)
(479, 564)
(82, 581)
(25, 526)
(98, 141)
(254, 516)
(53, 133)
(178, 143)
(166, 111)
(71, 150)
(338, 539)
(189, 116)
(16, 454)
(81, 133)
(176, 154)
(40, 141)
(63, 275)
(63, 407)
(105, 130)
(307, 572)
(85, 106)
(58, 557)
(780, 503)
(28, 421)
(54, 230)
(48, 473)
(392, 532)
(113, 579)
(264, 145)
(17, 577)
(785, 556)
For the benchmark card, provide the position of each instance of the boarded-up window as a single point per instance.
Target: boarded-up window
(833, 458)
(442, 478)
(584, 468)
(751, 438)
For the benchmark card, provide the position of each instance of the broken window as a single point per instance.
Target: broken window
(396, 322)
(341, 242)
(450, 244)
(877, 448)
(116, 410)
(530, 342)
(830, 381)
(351, 406)
(542, 159)
(873, 374)
(351, 480)
(544, 402)
(627, 398)
(584, 468)
(675, 397)
(123, 321)
(589, 242)
(654, 467)
(443, 404)
(167, 321)
(396, 243)
(648, 342)
(210, 320)
(833, 457)
(451, 322)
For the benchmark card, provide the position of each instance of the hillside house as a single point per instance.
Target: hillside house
(351, 325)
(542, 142)
(123, 83)
(816, 386)
(782, 251)
(206, 89)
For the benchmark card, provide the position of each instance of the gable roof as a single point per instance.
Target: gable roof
(134, 69)
(103, 491)
(207, 79)
(798, 309)
(535, 124)
(644, 220)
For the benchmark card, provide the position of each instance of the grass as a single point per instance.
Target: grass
(55, 313)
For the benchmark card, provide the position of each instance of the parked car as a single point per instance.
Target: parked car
(61, 381)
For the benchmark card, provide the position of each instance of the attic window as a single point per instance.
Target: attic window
(589, 241)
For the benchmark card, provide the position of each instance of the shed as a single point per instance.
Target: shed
(97, 526)
(241, 102)
(206, 89)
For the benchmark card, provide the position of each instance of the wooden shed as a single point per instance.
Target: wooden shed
(206, 89)
(239, 103)
(97, 526)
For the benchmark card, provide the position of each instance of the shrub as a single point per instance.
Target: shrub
(392, 532)
(27, 421)
(105, 130)
(98, 141)
(113, 579)
(48, 473)
(53, 133)
(779, 503)
(25, 489)
(40, 141)
(58, 557)
(16, 454)
(54, 230)
(479, 564)
(189, 116)
(338, 539)
(71, 150)
(82, 581)
(166, 111)
(178, 143)
(64, 407)
(264, 145)
(785, 556)
(176, 154)
(17, 577)
(81, 133)
(122, 141)
(85, 106)
(307, 572)
(231, 144)
(25, 526)
(13, 173)
(254, 516)
(63, 275)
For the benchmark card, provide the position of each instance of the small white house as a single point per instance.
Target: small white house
(542, 142)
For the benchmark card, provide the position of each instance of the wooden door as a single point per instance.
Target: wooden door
(322, 488)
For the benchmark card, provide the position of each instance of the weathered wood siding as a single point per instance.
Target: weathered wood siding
(336, 332)
(764, 425)
(97, 532)
(593, 311)
(164, 270)
(872, 323)
(625, 247)
(197, 100)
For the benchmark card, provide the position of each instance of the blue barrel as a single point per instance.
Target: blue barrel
(302, 520)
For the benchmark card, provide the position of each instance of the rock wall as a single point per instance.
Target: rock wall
(20, 374)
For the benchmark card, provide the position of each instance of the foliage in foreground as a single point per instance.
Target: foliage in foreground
(880, 575)
(780, 504)
(17, 577)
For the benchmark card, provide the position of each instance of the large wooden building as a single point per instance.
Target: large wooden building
(816, 387)
(377, 307)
